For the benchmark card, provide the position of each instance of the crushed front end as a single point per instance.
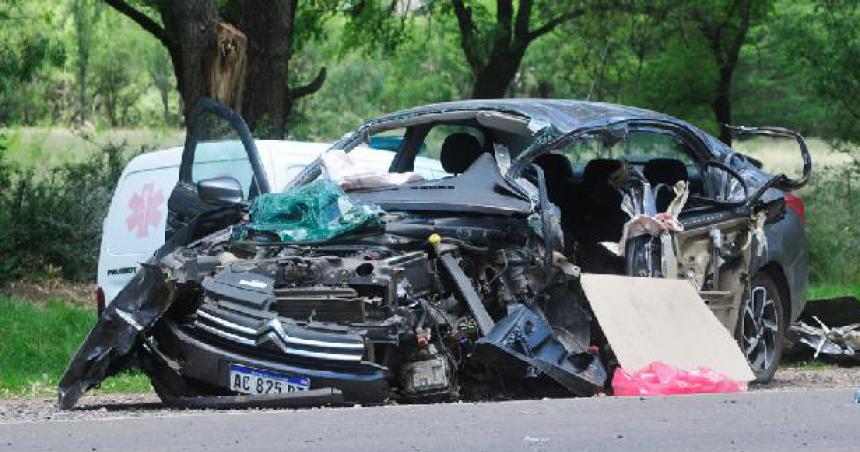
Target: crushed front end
(386, 313)
(317, 297)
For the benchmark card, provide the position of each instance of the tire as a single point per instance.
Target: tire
(168, 384)
(761, 327)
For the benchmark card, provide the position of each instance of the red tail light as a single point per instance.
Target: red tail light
(794, 203)
(100, 300)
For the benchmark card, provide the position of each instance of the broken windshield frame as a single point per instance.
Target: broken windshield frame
(781, 181)
(504, 121)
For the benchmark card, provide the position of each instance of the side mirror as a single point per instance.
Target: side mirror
(220, 191)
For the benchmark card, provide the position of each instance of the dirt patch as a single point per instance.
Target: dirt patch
(799, 378)
(39, 291)
(42, 409)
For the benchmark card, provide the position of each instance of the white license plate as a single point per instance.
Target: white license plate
(249, 380)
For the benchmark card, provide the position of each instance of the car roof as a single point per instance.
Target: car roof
(566, 115)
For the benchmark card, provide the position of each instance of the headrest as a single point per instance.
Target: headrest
(664, 171)
(459, 151)
(555, 166)
(597, 171)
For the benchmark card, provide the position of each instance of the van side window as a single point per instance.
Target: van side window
(223, 158)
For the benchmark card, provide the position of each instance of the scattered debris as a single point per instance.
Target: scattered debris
(836, 342)
(530, 439)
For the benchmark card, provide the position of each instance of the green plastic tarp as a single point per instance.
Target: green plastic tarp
(314, 212)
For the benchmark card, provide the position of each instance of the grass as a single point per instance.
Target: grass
(829, 290)
(807, 365)
(45, 147)
(781, 155)
(38, 341)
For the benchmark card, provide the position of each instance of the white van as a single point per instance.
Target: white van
(135, 224)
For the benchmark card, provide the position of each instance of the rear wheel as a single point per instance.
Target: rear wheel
(761, 327)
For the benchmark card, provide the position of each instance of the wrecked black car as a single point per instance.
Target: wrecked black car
(369, 287)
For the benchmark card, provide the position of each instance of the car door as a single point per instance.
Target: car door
(218, 144)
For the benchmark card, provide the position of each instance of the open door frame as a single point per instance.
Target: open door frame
(184, 203)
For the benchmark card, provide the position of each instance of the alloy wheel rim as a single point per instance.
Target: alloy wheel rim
(759, 327)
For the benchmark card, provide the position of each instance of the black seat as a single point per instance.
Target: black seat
(459, 150)
(559, 177)
(663, 174)
(597, 171)
(596, 214)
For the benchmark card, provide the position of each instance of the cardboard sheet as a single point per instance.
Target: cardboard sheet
(651, 319)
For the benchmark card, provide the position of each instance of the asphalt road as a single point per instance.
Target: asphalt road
(758, 421)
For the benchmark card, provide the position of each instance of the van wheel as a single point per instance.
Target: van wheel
(761, 327)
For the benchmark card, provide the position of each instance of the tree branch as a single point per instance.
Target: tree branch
(504, 20)
(467, 33)
(554, 22)
(505, 14)
(524, 13)
(141, 19)
(741, 32)
(309, 88)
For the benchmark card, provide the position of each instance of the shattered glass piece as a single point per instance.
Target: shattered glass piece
(314, 212)
(536, 125)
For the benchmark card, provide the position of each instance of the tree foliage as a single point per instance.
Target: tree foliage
(826, 37)
(29, 49)
(709, 61)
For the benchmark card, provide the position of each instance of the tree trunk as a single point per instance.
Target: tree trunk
(165, 103)
(83, 29)
(494, 78)
(189, 27)
(726, 41)
(189, 35)
(722, 104)
(82, 91)
(268, 24)
(110, 97)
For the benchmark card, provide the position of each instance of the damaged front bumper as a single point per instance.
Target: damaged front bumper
(206, 360)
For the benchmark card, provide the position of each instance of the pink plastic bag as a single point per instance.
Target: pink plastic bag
(662, 379)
